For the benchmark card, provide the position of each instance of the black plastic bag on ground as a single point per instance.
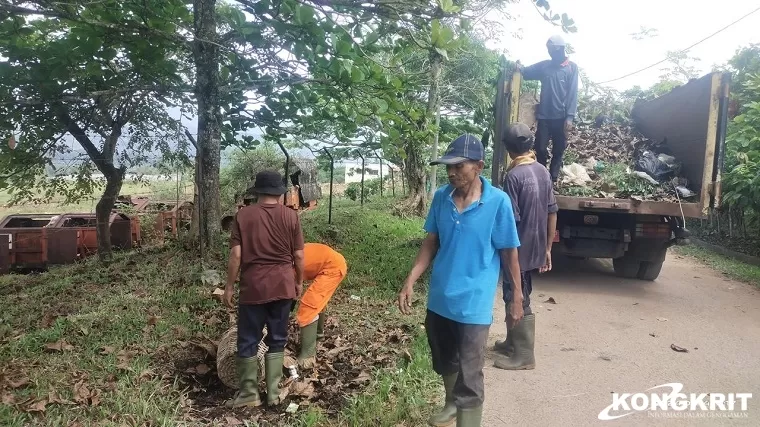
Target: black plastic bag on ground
(653, 166)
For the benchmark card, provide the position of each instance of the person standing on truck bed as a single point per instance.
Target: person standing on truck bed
(558, 103)
(535, 210)
(471, 235)
(266, 243)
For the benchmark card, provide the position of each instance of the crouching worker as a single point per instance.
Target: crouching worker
(266, 242)
(529, 187)
(326, 268)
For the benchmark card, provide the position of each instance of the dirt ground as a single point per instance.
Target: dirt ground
(606, 334)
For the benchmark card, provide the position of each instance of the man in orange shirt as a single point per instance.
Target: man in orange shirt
(326, 268)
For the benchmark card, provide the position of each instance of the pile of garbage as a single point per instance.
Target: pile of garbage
(613, 160)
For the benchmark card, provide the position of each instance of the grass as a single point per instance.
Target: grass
(102, 345)
(730, 267)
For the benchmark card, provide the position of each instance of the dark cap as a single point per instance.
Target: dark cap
(269, 183)
(465, 147)
(517, 132)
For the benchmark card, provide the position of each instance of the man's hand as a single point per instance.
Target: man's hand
(229, 292)
(568, 126)
(548, 263)
(405, 298)
(515, 313)
(299, 289)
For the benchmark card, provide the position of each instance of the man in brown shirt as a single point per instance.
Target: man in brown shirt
(266, 242)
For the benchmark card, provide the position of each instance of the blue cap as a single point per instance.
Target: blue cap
(465, 147)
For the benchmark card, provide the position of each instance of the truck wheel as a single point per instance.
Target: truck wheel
(626, 267)
(649, 270)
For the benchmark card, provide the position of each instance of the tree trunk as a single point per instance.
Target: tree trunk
(415, 164)
(194, 225)
(206, 55)
(434, 169)
(114, 181)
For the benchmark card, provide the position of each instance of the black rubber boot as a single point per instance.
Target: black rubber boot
(524, 336)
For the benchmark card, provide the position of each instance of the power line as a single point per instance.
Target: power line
(684, 50)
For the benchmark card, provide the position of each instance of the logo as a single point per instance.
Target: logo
(675, 404)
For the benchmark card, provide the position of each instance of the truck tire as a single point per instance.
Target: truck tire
(649, 270)
(626, 267)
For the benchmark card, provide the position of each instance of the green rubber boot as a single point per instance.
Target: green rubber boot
(506, 347)
(248, 395)
(524, 340)
(469, 417)
(446, 416)
(321, 325)
(307, 356)
(273, 367)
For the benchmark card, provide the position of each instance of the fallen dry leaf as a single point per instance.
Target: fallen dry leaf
(38, 406)
(678, 349)
(336, 351)
(84, 395)
(53, 397)
(218, 291)
(60, 345)
(202, 369)
(123, 358)
(551, 300)
(662, 319)
(363, 377)
(232, 421)
(213, 321)
(207, 345)
(301, 388)
(8, 398)
(653, 335)
(107, 350)
(18, 382)
(152, 320)
(48, 319)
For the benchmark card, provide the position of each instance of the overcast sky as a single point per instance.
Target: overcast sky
(603, 44)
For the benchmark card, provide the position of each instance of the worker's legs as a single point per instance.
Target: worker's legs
(443, 349)
(317, 296)
(527, 288)
(251, 321)
(278, 316)
(541, 144)
(559, 143)
(522, 335)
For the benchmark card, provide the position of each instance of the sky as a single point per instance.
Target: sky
(604, 48)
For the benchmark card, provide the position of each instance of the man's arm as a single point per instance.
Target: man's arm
(425, 256)
(571, 101)
(298, 254)
(510, 262)
(298, 257)
(534, 72)
(233, 271)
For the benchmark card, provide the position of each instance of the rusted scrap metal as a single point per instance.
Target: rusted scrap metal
(30, 243)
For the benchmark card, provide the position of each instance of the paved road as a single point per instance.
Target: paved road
(596, 340)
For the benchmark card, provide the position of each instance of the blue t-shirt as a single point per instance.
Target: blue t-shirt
(466, 267)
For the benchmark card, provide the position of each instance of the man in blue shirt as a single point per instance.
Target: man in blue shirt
(471, 235)
(558, 103)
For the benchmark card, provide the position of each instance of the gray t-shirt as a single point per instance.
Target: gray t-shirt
(530, 190)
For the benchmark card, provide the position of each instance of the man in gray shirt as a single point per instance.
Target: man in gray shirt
(535, 210)
(558, 103)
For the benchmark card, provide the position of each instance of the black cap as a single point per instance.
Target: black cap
(518, 132)
(465, 147)
(269, 183)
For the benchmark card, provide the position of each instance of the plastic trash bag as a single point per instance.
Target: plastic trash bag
(575, 174)
(661, 167)
(644, 175)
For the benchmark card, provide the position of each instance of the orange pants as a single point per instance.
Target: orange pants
(315, 299)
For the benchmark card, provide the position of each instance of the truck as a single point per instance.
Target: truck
(634, 233)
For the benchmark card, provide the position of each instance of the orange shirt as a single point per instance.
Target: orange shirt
(320, 258)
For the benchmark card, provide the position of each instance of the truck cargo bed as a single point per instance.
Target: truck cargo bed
(640, 207)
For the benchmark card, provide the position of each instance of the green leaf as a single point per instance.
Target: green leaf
(443, 53)
(304, 14)
(435, 32)
(344, 48)
(382, 106)
(357, 75)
